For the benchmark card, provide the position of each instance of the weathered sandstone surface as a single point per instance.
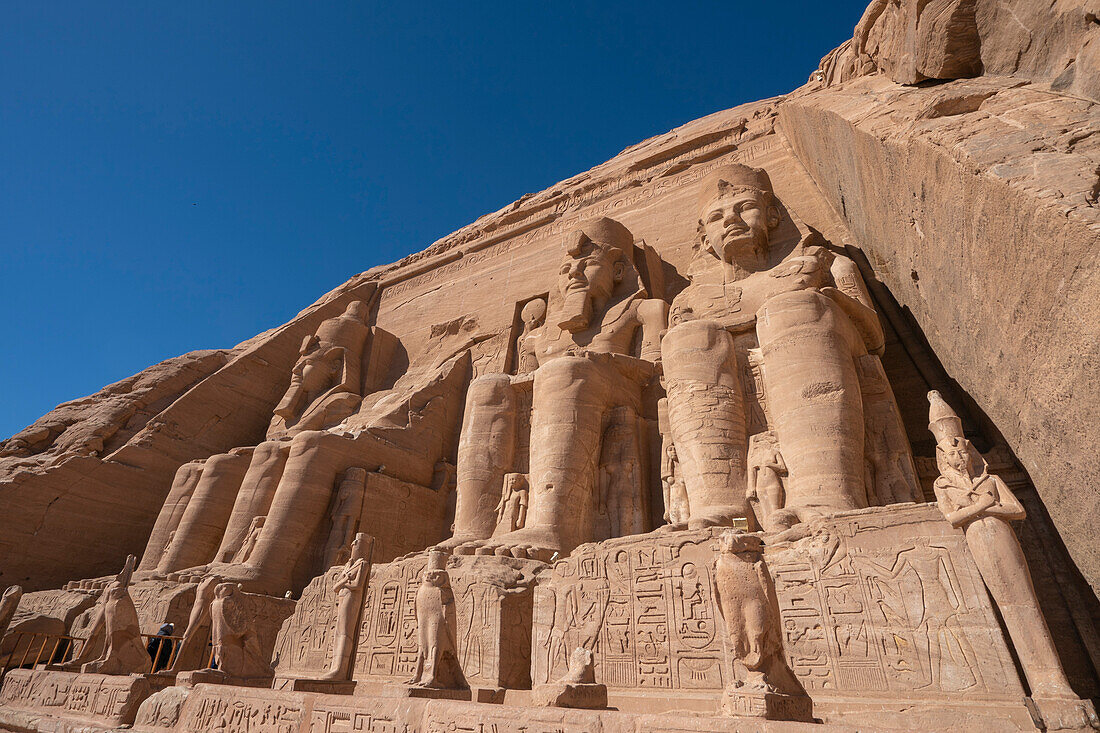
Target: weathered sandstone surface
(785, 417)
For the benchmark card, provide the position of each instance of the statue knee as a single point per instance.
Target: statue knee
(697, 350)
(567, 369)
(489, 390)
(307, 442)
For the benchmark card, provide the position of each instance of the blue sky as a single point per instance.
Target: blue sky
(180, 176)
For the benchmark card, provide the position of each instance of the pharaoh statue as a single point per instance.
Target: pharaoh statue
(116, 622)
(351, 583)
(764, 490)
(437, 664)
(982, 505)
(672, 487)
(812, 319)
(237, 651)
(8, 603)
(322, 427)
(746, 597)
(585, 369)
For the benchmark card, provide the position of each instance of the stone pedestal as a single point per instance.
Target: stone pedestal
(1064, 714)
(217, 677)
(740, 702)
(587, 696)
(328, 687)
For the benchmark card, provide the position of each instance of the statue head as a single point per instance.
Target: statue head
(358, 547)
(736, 541)
(598, 258)
(357, 309)
(737, 213)
(954, 454)
(225, 590)
(533, 314)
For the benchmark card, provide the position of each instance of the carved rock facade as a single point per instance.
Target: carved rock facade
(653, 440)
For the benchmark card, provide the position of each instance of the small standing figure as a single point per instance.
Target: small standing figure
(254, 528)
(672, 486)
(437, 657)
(533, 315)
(237, 649)
(347, 506)
(763, 685)
(8, 603)
(512, 508)
(764, 488)
(982, 505)
(351, 582)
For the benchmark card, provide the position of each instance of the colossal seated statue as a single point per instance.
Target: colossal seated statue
(585, 373)
(275, 497)
(809, 325)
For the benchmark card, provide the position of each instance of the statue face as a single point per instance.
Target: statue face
(957, 457)
(586, 280)
(590, 269)
(736, 223)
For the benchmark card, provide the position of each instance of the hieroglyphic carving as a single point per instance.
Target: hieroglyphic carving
(878, 601)
(110, 699)
(243, 714)
(644, 606)
(493, 601)
(867, 602)
(304, 644)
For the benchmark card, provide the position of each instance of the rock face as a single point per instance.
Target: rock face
(652, 439)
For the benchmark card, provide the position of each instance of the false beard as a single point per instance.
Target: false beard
(576, 312)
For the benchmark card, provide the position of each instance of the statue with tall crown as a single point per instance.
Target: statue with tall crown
(981, 504)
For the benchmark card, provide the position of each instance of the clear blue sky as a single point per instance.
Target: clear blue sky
(183, 175)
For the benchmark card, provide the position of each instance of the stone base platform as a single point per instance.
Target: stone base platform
(40, 702)
(36, 699)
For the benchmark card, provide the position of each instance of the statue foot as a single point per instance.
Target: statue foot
(715, 516)
(532, 543)
(453, 543)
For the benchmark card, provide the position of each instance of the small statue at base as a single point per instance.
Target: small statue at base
(437, 658)
(577, 688)
(351, 582)
(982, 505)
(123, 650)
(237, 649)
(763, 685)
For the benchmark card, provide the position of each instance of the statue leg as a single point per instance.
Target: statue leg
(707, 420)
(486, 451)
(570, 396)
(168, 521)
(203, 522)
(809, 347)
(1004, 569)
(254, 498)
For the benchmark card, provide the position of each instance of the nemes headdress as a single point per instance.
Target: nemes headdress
(734, 177)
